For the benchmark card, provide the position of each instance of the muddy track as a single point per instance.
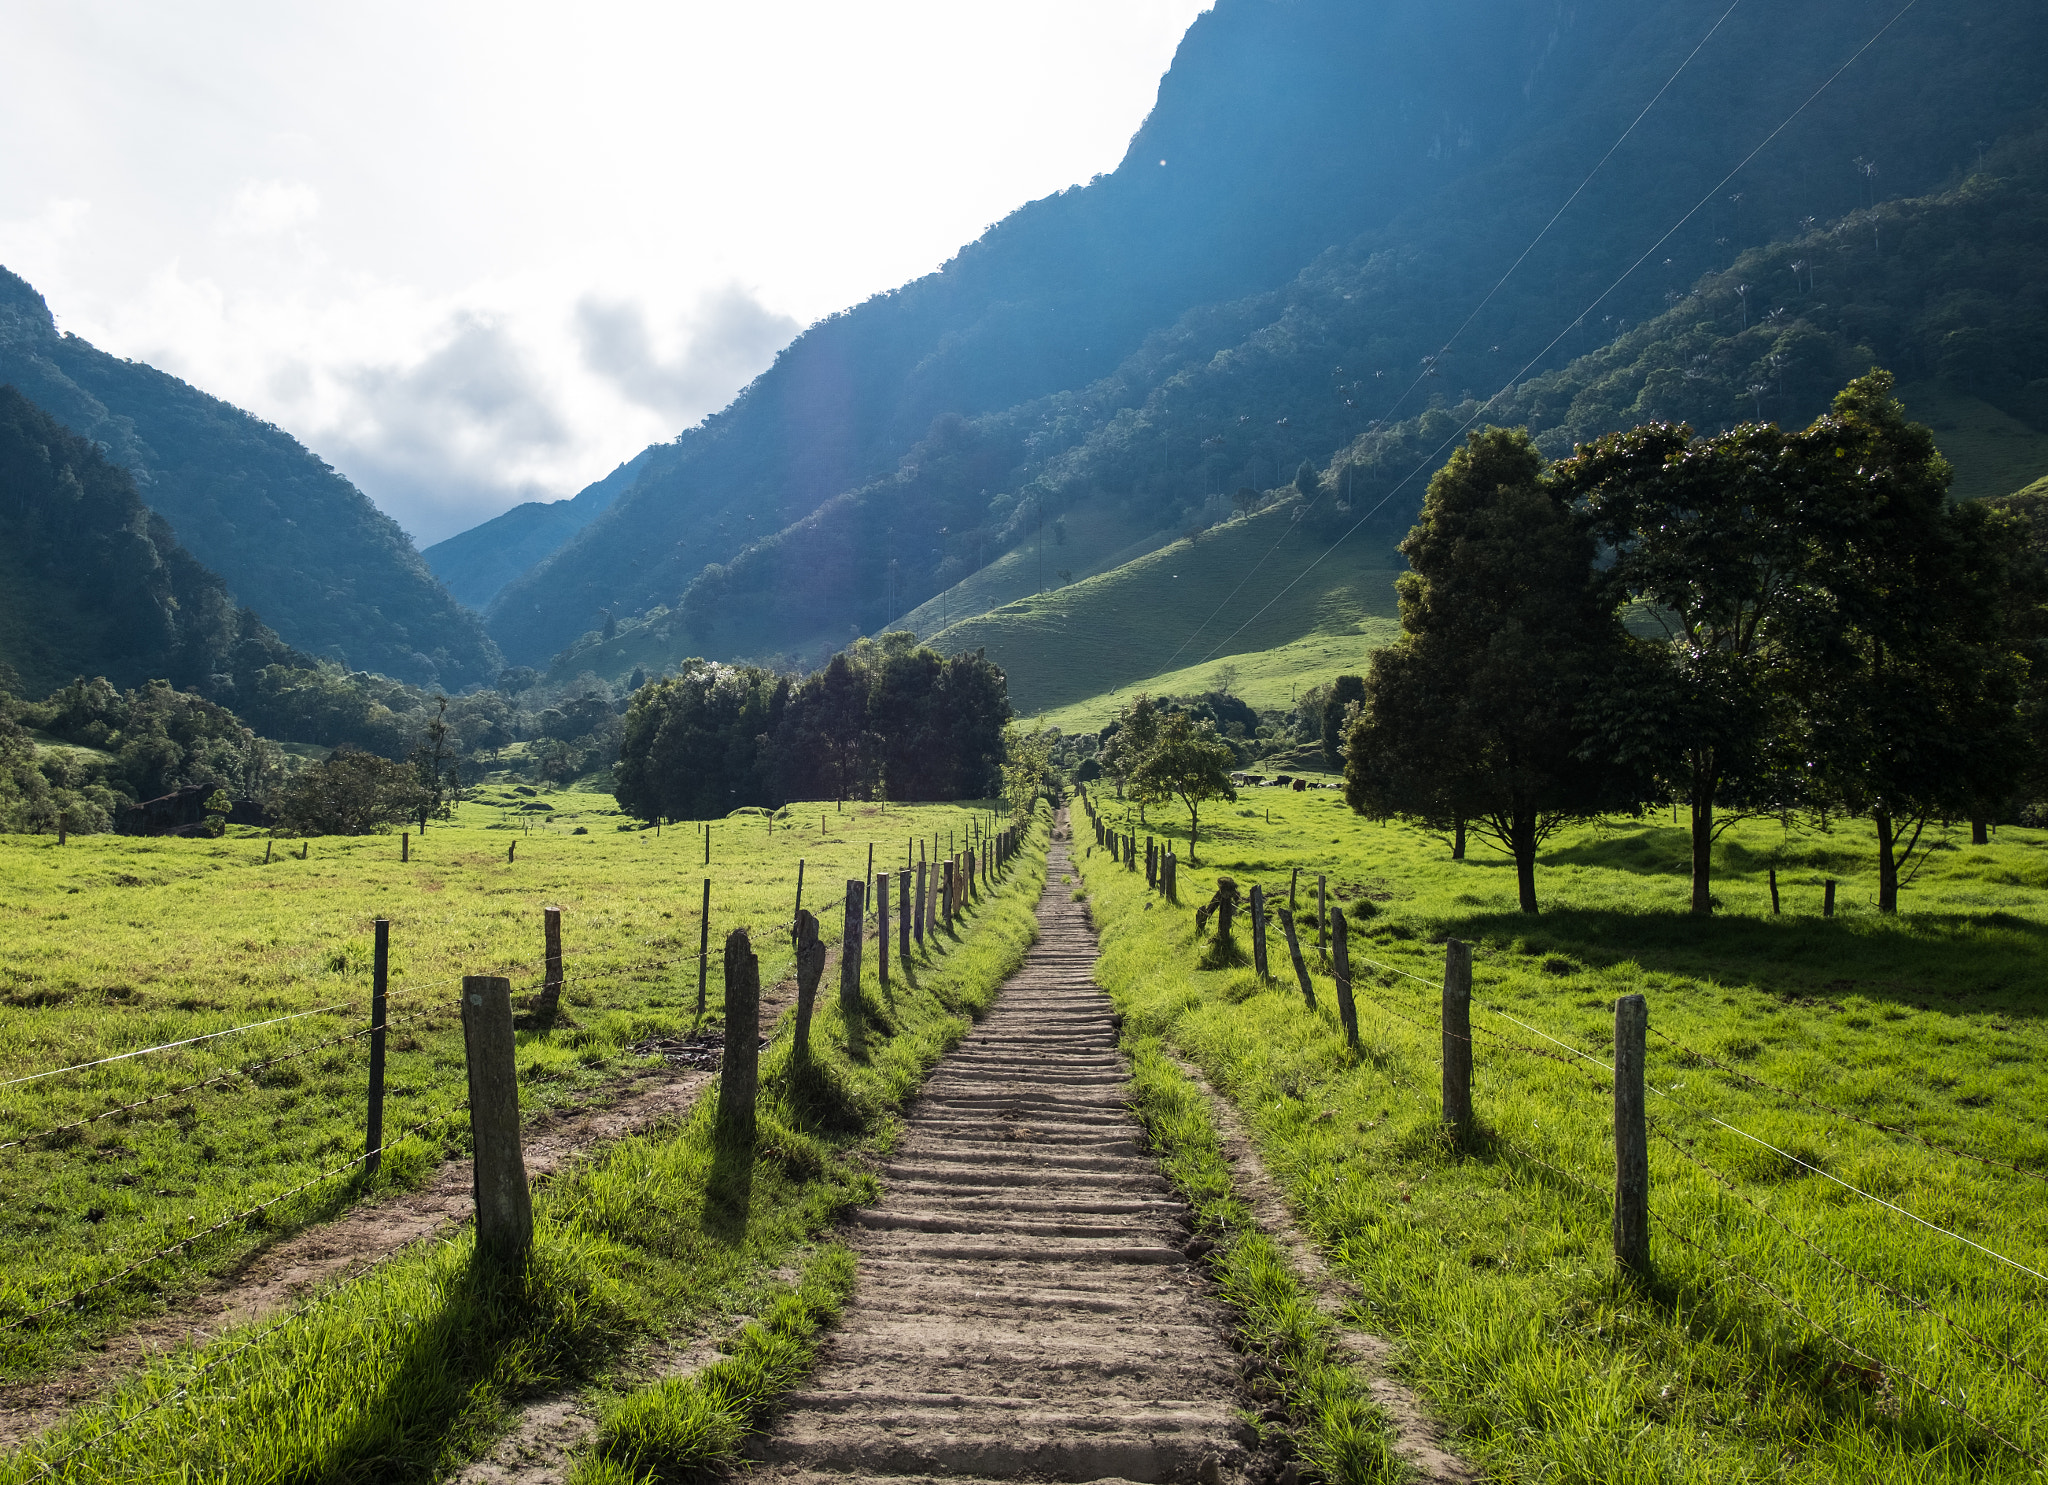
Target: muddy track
(283, 1272)
(1024, 1306)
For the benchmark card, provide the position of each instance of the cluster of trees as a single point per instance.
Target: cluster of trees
(1759, 621)
(1165, 752)
(886, 719)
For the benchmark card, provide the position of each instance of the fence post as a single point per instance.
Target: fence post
(404, 845)
(380, 982)
(918, 911)
(810, 968)
(549, 1001)
(511, 853)
(1827, 905)
(504, 1207)
(1340, 936)
(1774, 892)
(707, 842)
(1631, 1138)
(1323, 914)
(1458, 1036)
(739, 1072)
(882, 929)
(1292, 882)
(946, 894)
(849, 951)
(703, 947)
(1259, 931)
(1308, 990)
(903, 919)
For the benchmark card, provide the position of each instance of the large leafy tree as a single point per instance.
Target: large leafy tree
(349, 793)
(1711, 543)
(1912, 687)
(1477, 712)
(434, 760)
(1190, 763)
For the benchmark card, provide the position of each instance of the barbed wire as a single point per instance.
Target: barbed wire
(1841, 1113)
(1912, 1301)
(231, 1075)
(168, 1046)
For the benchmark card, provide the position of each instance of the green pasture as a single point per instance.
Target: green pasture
(117, 944)
(1795, 1329)
(1169, 608)
(408, 1370)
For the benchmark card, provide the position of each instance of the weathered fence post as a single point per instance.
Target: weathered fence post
(1259, 931)
(1774, 892)
(504, 1207)
(882, 930)
(1631, 1138)
(404, 845)
(703, 947)
(920, 904)
(1292, 882)
(810, 968)
(511, 853)
(739, 1073)
(1347, 1010)
(849, 951)
(1458, 1036)
(1308, 990)
(549, 1001)
(903, 918)
(380, 982)
(1827, 904)
(707, 842)
(946, 894)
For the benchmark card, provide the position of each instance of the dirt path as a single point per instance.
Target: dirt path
(1024, 1306)
(281, 1273)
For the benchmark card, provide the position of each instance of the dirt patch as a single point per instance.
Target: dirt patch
(1417, 1437)
(284, 1272)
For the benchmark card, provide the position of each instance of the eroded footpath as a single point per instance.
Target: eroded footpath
(1025, 1308)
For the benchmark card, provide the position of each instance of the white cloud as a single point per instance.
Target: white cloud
(472, 254)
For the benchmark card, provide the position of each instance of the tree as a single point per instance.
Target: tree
(440, 782)
(1307, 483)
(1911, 690)
(1345, 690)
(2019, 525)
(1128, 740)
(1027, 757)
(1711, 540)
(349, 793)
(1475, 713)
(1190, 764)
(1224, 678)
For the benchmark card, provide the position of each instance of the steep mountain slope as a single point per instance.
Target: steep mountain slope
(475, 564)
(290, 536)
(1406, 153)
(91, 580)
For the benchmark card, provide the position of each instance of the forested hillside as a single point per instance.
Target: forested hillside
(1341, 187)
(291, 537)
(477, 563)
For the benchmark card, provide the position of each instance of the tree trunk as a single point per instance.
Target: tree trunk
(1702, 853)
(1524, 837)
(1887, 861)
(1194, 833)
(1980, 831)
(1458, 841)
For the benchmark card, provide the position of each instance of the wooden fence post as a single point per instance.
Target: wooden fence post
(380, 982)
(1292, 882)
(946, 894)
(1827, 904)
(549, 1001)
(707, 842)
(810, 968)
(919, 911)
(1259, 931)
(504, 1207)
(404, 845)
(739, 1073)
(1774, 892)
(1458, 1036)
(1347, 1010)
(849, 951)
(1308, 990)
(1631, 1138)
(882, 929)
(511, 853)
(703, 947)
(903, 918)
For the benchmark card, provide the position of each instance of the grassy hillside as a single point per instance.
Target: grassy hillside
(1900, 1057)
(1171, 607)
(1993, 452)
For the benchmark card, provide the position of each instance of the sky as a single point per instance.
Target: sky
(473, 254)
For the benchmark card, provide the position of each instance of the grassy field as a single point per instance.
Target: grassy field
(1796, 1328)
(414, 1367)
(1266, 680)
(1169, 608)
(1993, 452)
(121, 944)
